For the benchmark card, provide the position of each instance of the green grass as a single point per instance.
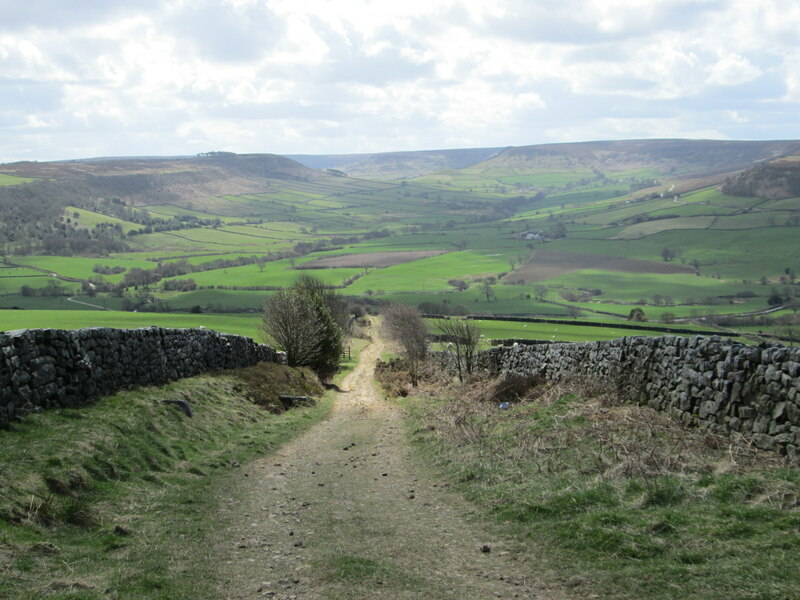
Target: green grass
(87, 219)
(210, 299)
(121, 497)
(511, 300)
(81, 268)
(13, 179)
(446, 211)
(277, 273)
(630, 287)
(239, 324)
(654, 313)
(49, 303)
(636, 505)
(12, 285)
(491, 330)
(432, 274)
(768, 250)
(650, 227)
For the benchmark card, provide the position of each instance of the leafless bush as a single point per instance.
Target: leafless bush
(464, 336)
(405, 326)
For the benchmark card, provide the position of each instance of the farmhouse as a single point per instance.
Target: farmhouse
(532, 234)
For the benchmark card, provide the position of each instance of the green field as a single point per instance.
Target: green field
(239, 324)
(81, 268)
(12, 284)
(88, 219)
(12, 179)
(278, 273)
(555, 332)
(431, 274)
(740, 246)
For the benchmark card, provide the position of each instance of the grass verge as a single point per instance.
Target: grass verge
(116, 500)
(634, 504)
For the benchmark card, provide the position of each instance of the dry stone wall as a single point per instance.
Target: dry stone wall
(705, 381)
(43, 368)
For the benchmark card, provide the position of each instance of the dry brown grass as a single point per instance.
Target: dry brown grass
(560, 427)
(263, 383)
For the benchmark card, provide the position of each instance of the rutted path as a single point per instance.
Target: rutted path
(341, 512)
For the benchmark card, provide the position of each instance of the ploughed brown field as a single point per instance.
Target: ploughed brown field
(372, 260)
(547, 264)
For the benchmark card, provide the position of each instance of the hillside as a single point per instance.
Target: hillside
(773, 181)
(153, 180)
(590, 230)
(397, 165)
(664, 156)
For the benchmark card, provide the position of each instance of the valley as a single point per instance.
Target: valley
(585, 232)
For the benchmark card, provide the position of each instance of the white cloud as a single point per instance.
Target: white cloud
(180, 76)
(733, 69)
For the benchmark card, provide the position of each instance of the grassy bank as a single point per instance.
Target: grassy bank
(635, 505)
(117, 499)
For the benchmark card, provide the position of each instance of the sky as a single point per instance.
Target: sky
(88, 78)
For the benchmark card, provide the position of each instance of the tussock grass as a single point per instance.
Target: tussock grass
(116, 500)
(635, 504)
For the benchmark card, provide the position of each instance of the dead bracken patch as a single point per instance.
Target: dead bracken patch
(563, 427)
(263, 383)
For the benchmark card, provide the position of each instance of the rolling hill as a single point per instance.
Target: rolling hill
(683, 229)
(397, 165)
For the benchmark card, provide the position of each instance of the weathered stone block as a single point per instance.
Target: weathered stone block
(764, 441)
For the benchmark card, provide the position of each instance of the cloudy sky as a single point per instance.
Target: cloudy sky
(83, 78)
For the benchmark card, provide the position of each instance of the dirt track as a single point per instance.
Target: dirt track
(342, 512)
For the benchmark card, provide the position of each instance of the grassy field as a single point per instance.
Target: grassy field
(635, 504)
(615, 240)
(13, 180)
(278, 273)
(12, 285)
(81, 268)
(432, 274)
(81, 218)
(552, 332)
(120, 499)
(240, 324)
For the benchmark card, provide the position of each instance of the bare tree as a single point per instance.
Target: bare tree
(291, 320)
(464, 336)
(488, 291)
(405, 325)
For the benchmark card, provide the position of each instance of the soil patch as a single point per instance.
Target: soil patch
(547, 264)
(372, 260)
